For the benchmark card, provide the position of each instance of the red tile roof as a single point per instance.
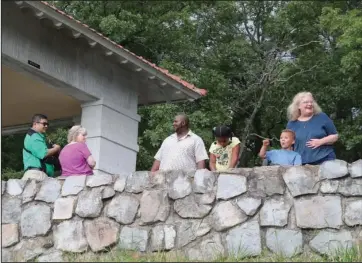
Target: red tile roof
(184, 83)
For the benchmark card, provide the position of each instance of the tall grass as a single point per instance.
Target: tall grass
(116, 255)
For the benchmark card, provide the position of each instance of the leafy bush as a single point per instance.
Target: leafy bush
(9, 173)
(12, 152)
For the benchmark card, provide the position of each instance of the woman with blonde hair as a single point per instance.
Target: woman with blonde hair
(315, 131)
(75, 158)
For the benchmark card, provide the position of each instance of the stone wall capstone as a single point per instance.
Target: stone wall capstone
(201, 214)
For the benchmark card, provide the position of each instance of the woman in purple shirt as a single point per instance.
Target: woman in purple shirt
(75, 158)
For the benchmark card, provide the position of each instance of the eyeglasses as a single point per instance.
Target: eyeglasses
(44, 123)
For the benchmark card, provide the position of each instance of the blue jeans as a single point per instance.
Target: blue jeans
(331, 156)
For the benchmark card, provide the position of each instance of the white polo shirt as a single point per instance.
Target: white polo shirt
(181, 154)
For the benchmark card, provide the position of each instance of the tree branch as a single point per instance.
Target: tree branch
(295, 74)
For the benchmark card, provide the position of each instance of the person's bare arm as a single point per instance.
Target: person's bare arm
(235, 156)
(53, 151)
(91, 162)
(201, 165)
(200, 154)
(155, 166)
(264, 148)
(212, 163)
(328, 140)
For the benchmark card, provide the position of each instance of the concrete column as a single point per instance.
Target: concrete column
(112, 136)
(76, 120)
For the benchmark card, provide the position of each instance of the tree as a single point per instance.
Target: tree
(251, 56)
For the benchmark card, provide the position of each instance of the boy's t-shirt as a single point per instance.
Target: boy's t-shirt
(223, 154)
(283, 157)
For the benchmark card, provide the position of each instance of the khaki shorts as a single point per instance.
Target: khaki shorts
(34, 175)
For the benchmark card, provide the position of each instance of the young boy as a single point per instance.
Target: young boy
(284, 156)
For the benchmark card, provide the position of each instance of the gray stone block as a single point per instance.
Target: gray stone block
(123, 209)
(70, 236)
(328, 242)
(301, 180)
(51, 255)
(204, 181)
(189, 230)
(120, 183)
(30, 191)
(244, 240)
(178, 185)
(49, 190)
(229, 186)
(73, 185)
(275, 212)
(89, 203)
(101, 233)
(209, 249)
(319, 212)
(355, 169)
(154, 206)
(10, 210)
(266, 181)
(137, 182)
(329, 186)
(284, 242)
(163, 237)
(350, 187)
(29, 249)
(35, 220)
(188, 207)
(63, 208)
(9, 235)
(353, 212)
(249, 205)
(3, 187)
(99, 179)
(15, 187)
(226, 215)
(333, 169)
(133, 239)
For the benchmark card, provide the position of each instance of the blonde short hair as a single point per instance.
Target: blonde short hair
(290, 132)
(293, 111)
(74, 132)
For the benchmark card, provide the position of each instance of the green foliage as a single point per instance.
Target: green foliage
(58, 136)
(9, 173)
(12, 151)
(233, 49)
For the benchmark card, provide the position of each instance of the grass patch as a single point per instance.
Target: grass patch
(116, 255)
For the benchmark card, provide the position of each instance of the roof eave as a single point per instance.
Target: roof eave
(93, 36)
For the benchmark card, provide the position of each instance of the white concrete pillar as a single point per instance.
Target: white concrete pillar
(77, 120)
(112, 137)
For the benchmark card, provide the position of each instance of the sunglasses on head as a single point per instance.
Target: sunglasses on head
(44, 123)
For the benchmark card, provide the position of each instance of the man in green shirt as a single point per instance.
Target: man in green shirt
(36, 153)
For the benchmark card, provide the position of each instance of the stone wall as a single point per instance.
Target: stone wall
(203, 215)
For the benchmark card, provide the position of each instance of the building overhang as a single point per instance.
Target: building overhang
(170, 88)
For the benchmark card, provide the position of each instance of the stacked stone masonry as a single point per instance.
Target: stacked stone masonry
(201, 214)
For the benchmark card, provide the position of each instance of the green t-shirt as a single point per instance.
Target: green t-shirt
(35, 143)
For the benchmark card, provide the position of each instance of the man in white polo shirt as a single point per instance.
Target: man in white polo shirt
(181, 150)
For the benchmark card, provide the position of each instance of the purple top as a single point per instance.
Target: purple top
(73, 159)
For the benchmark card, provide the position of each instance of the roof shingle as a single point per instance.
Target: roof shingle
(184, 83)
